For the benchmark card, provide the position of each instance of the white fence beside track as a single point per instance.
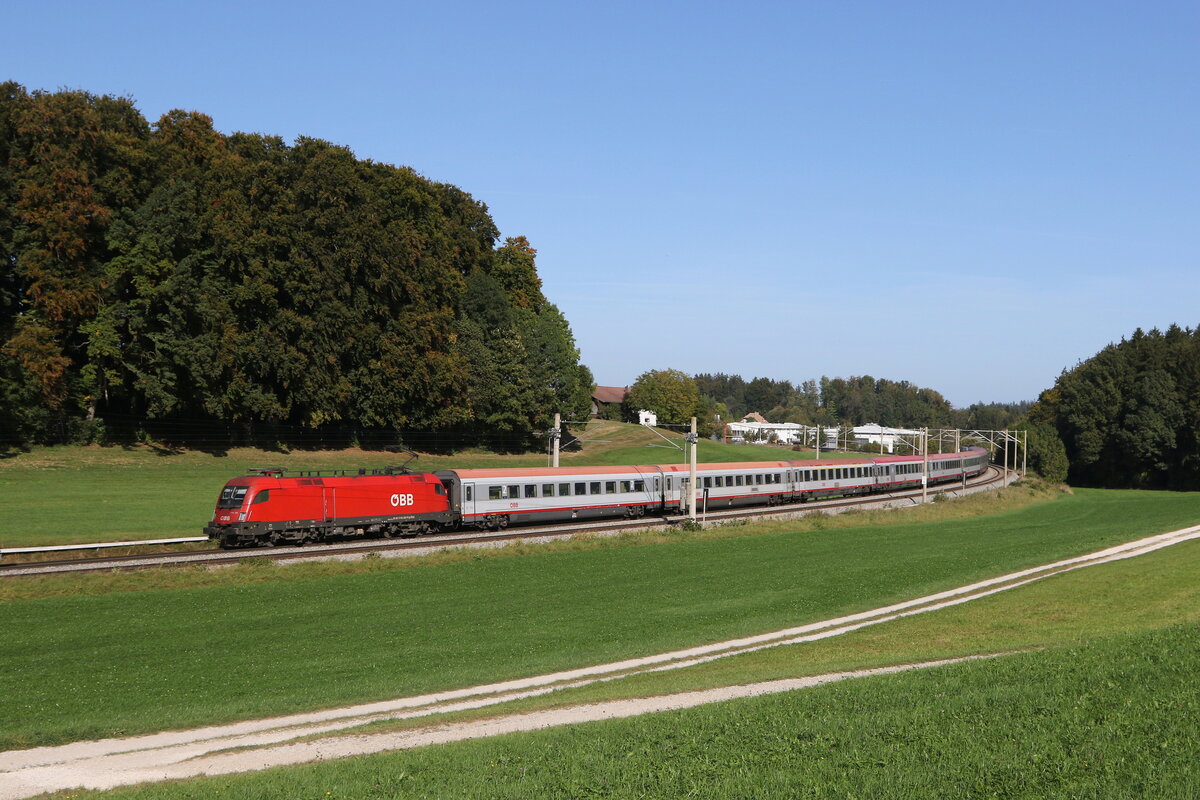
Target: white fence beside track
(98, 545)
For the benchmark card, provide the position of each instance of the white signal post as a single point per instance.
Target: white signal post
(692, 439)
(555, 435)
(925, 465)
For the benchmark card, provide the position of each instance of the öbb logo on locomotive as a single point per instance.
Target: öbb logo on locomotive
(272, 507)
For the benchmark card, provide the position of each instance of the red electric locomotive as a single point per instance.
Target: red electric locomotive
(273, 508)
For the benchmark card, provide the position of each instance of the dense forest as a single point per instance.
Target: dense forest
(168, 271)
(1130, 415)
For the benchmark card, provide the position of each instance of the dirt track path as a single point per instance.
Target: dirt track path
(109, 763)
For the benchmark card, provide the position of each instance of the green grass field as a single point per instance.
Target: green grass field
(1102, 703)
(130, 655)
(1113, 718)
(69, 495)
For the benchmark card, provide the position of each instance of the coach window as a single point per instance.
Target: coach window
(581, 488)
(564, 489)
(626, 487)
(610, 487)
(719, 481)
(740, 480)
(494, 493)
(640, 486)
(595, 487)
(758, 479)
(547, 490)
(531, 490)
(467, 491)
(514, 492)
(708, 482)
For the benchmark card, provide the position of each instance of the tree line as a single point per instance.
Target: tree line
(676, 397)
(169, 271)
(857, 400)
(1129, 416)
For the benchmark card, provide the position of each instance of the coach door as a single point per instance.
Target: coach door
(468, 500)
(671, 490)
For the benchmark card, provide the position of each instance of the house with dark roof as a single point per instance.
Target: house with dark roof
(604, 398)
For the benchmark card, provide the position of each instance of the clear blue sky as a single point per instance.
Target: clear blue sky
(969, 196)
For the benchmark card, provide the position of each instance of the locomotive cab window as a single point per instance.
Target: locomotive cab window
(232, 496)
(261, 497)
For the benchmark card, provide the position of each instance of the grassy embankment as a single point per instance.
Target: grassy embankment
(1108, 709)
(124, 654)
(68, 495)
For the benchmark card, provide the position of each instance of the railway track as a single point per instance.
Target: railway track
(425, 544)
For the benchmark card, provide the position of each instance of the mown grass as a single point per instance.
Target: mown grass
(1113, 717)
(104, 664)
(1130, 596)
(69, 495)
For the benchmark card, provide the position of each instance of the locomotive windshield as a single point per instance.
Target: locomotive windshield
(232, 496)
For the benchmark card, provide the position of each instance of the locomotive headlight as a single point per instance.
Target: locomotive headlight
(242, 517)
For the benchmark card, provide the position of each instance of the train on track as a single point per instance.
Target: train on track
(272, 507)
